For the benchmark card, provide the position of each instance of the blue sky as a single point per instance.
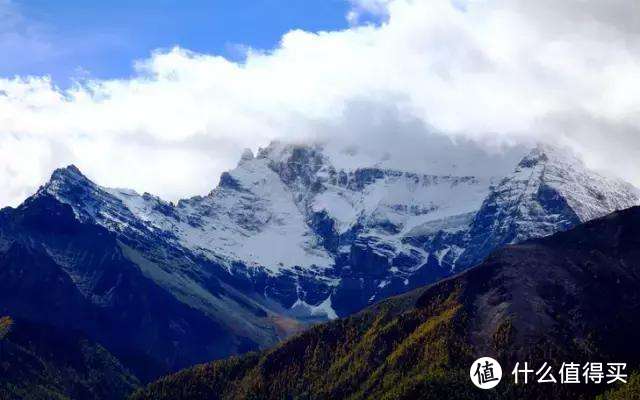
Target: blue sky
(76, 38)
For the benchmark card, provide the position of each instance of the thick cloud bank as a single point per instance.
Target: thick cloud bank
(495, 72)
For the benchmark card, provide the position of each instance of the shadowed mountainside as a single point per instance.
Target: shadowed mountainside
(58, 271)
(39, 362)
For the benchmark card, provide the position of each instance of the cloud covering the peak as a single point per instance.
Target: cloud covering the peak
(497, 72)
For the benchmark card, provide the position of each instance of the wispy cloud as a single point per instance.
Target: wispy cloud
(360, 9)
(21, 42)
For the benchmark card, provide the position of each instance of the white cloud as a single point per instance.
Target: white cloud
(503, 71)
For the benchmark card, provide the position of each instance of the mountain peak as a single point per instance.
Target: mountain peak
(550, 190)
(247, 155)
(544, 153)
(70, 186)
(278, 151)
(63, 179)
(68, 172)
(534, 157)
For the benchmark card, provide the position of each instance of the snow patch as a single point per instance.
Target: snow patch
(324, 309)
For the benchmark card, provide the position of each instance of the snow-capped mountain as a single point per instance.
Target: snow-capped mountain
(549, 191)
(286, 238)
(319, 241)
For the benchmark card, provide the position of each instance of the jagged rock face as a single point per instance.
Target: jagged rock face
(58, 271)
(389, 231)
(549, 191)
(285, 239)
(294, 229)
(384, 229)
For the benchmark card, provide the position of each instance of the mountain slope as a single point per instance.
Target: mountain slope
(42, 362)
(541, 300)
(59, 271)
(366, 218)
(549, 191)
